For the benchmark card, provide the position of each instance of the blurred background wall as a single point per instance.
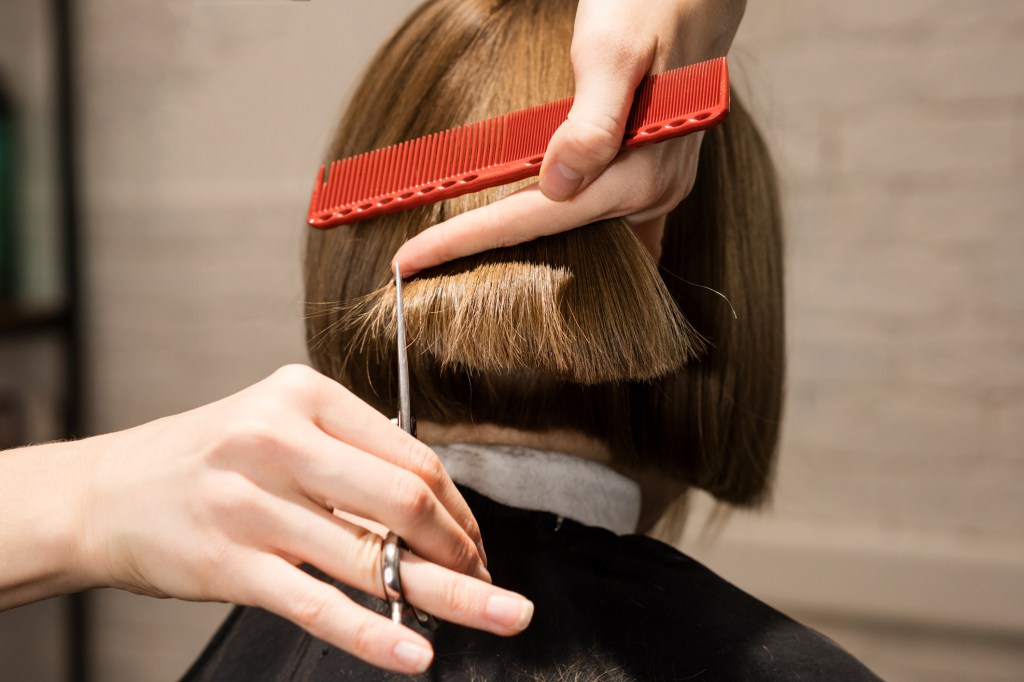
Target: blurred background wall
(898, 521)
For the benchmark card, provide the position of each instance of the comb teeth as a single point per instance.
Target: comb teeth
(506, 148)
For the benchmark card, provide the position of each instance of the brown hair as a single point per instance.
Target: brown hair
(574, 331)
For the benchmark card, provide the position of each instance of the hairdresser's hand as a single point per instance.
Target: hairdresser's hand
(224, 502)
(584, 178)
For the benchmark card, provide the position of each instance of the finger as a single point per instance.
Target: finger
(389, 495)
(460, 599)
(608, 66)
(519, 217)
(347, 419)
(327, 614)
(352, 555)
(643, 184)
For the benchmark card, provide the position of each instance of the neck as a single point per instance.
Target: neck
(557, 440)
(656, 490)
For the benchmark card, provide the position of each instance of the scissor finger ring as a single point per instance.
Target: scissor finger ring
(389, 572)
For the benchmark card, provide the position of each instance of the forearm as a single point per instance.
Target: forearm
(41, 522)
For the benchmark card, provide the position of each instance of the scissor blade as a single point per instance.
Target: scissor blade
(404, 400)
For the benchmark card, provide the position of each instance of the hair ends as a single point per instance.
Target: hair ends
(585, 306)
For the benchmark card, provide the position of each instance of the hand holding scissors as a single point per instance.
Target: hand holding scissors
(227, 501)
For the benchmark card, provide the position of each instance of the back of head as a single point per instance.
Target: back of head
(576, 331)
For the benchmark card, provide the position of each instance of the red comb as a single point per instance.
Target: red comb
(506, 148)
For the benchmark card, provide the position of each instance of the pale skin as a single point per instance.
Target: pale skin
(223, 502)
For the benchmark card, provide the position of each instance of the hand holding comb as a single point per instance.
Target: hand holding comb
(506, 148)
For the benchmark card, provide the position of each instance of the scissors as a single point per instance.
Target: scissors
(406, 421)
(391, 551)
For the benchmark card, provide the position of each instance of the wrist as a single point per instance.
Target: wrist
(66, 516)
(76, 530)
(40, 530)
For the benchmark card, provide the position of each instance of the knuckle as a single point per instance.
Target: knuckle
(295, 378)
(596, 137)
(501, 231)
(412, 497)
(651, 189)
(254, 433)
(473, 529)
(657, 180)
(457, 597)
(466, 555)
(685, 184)
(364, 637)
(293, 371)
(650, 196)
(427, 466)
(631, 205)
(445, 249)
(309, 609)
(674, 195)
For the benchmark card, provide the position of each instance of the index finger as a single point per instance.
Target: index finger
(517, 218)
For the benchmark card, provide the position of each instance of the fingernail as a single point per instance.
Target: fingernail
(483, 574)
(511, 612)
(407, 270)
(561, 182)
(412, 656)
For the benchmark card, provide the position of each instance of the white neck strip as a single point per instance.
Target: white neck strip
(573, 487)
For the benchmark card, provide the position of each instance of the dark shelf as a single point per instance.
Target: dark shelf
(16, 318)
(63, 321)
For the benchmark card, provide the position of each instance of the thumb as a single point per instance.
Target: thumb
(592, 134)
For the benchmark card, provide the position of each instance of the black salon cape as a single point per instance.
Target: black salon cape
(608, 608)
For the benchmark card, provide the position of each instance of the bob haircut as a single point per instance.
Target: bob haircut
(579, 330)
